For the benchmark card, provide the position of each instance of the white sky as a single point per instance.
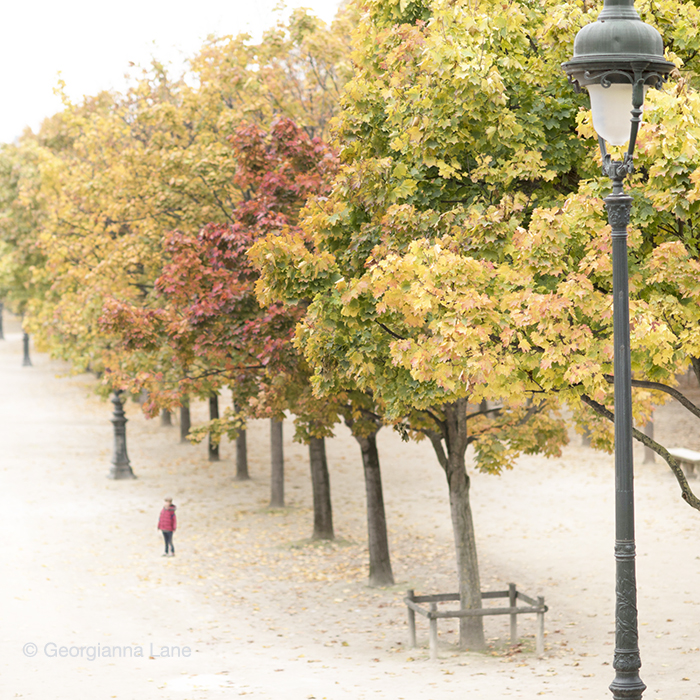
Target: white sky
(91, 44)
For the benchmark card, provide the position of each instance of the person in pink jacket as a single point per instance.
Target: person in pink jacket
(167, 524)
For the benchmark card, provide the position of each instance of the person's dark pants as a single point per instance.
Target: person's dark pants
(168, 537)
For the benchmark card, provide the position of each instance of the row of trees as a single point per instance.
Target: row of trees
(404, 229)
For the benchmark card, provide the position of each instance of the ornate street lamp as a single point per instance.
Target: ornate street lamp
(617, 59)
(121, 467)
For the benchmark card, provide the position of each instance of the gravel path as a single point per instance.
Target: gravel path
(250, 607)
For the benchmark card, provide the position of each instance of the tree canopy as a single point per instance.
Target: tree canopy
(464, 251)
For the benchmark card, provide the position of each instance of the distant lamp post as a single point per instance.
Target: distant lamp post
(121, 467)
(617, 59)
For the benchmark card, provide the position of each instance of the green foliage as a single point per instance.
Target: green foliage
(456, 127)
(22, 210)
(116, 173)
(464, 252)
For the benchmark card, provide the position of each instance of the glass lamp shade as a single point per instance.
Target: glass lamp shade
(611, 108)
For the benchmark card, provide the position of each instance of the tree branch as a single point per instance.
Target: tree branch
(496, 411)
(532, 410)
(228, 373)
(389, 331)
(686, 493)
(436, 440)
(442, 425)
(657, 386)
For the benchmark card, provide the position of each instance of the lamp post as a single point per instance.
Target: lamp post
(616, 59)
(121, 467)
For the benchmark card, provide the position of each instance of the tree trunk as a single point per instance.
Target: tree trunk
(26, 360)
(696, 367)
(213, 414)
(185, 420)
(380, 573)
(649, 454)
(276, 465)
(454, 433)
(320, 482)
(241, 453)
(586, 438)
(165, 418)
(471, 629)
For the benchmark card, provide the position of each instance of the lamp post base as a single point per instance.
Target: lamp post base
(122, 471)
(627, 686)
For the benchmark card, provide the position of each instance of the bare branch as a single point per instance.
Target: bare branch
(657, 386)
(686, 492)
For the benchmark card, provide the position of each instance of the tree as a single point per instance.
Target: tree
(130, 168)
(206, 317)
(566, 253)
(663, 279)
(22, 210)
(456, 127)
(362, 419)
(297, 71)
